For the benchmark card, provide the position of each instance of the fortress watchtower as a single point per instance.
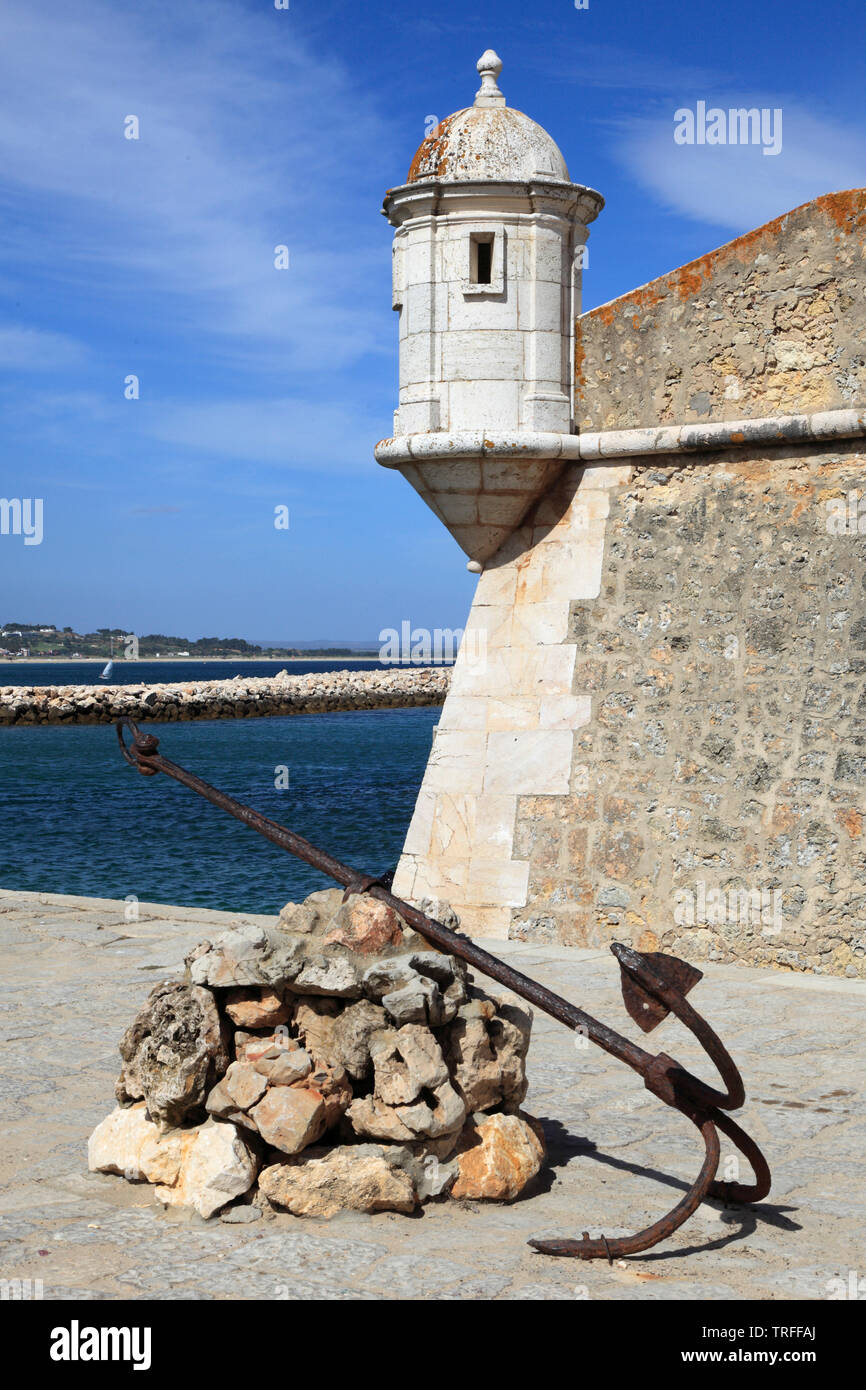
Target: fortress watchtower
(487, 259)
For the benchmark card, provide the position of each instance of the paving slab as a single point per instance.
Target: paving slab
(76, 970)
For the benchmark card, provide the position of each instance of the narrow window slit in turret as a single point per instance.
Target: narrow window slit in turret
(482, 260)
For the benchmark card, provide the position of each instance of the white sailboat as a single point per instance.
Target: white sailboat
(105, 675)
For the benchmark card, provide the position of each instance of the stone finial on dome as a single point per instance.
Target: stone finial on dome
(490, 66)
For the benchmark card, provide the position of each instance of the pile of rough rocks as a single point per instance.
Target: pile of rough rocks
(335, 1061)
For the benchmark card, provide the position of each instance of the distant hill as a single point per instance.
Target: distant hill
(46, 640)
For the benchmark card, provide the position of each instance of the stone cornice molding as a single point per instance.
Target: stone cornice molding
(823, 426)
(435, 197)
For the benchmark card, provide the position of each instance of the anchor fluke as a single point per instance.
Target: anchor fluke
(647, 1009)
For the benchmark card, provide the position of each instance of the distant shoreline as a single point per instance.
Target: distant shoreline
(189, 660)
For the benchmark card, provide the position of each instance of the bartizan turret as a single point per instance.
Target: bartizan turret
(488, 249)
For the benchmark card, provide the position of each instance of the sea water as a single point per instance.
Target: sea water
(75, 818)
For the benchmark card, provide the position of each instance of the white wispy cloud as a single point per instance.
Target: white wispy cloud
(273, 430)
(27, 349)
(247, 140)
(737, 186)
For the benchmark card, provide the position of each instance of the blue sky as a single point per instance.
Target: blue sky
(259, 387)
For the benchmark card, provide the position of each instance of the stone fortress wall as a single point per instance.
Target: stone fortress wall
(770, 324)
(656, 729)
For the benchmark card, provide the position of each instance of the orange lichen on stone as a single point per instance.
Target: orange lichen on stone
(431, 159)
(844, 208)
(687, 280)
(852, 820)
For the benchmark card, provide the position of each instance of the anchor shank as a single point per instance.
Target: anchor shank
(436, 932)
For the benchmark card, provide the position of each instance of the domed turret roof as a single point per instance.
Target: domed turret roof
(488, 141)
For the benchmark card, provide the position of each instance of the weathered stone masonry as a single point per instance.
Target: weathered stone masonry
(725, 656)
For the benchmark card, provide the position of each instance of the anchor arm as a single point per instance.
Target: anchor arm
(617, 1246)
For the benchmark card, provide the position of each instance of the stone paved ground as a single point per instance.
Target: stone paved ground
(74, 974)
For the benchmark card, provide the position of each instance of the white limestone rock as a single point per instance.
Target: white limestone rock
(315, 1020)
(353, 1030)
(128, 1143)
(405, 1062)
(283, 1067)
(248, 955)
(202, 1168)
(313, 914)
(217, 1165)
(386, 976)
(334, 975)
(418, 1001)
(432, 1177)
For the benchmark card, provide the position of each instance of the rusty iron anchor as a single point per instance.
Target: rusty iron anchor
(654, 985)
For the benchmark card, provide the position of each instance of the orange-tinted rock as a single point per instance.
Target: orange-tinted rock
(497, 1157)
(290, 1118)
(365, 925)
(249, 1048)
(256, 1008)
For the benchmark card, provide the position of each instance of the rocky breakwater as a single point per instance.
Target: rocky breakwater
(240, 698)
(334, 1062)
